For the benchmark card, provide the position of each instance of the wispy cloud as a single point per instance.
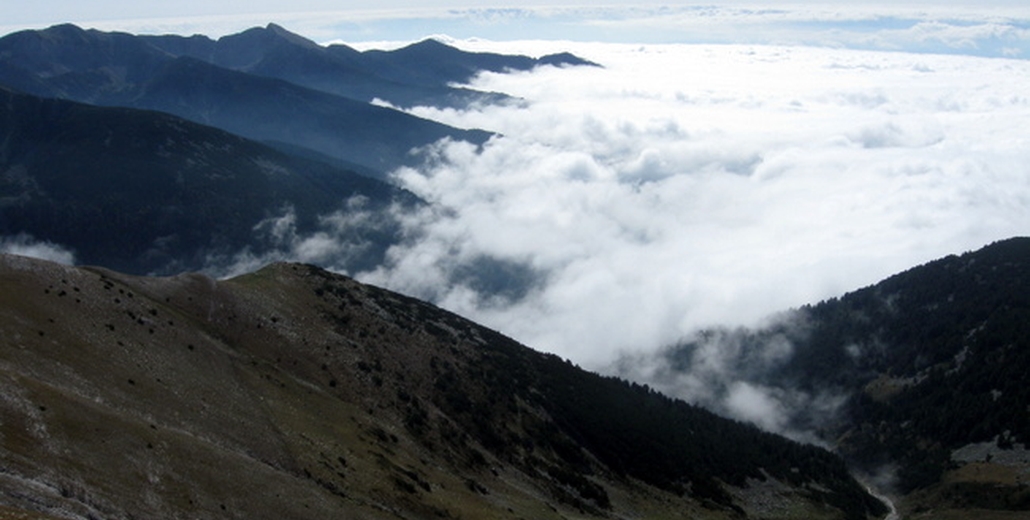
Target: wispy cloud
(26, 245)
(733, 371)
(344, 240)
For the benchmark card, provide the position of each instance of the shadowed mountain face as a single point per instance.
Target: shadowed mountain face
(295, 393)
(408, 65)
(264, 84)
(420, 74)
(147, 192)
(932, 363)
(274, 110)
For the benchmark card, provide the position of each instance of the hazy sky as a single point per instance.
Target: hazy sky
(996, 27)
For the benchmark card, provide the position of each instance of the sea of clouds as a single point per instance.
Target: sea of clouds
(685, 186)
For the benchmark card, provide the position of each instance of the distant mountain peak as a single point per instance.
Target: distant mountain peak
(427, 46)
(566, 59)
(291, 37)
(433, 42)
(256, 42)
(62, 28)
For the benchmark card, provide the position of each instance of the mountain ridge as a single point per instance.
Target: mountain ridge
(120, 69)
(189, 396)
(420, 73)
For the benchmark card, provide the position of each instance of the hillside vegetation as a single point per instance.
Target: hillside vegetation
(296, 393)
(933, 363)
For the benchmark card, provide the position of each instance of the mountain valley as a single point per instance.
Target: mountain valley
(195, 357)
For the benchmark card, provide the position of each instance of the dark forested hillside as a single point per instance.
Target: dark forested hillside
(632, 430)
(419, 74)
(268, 109)
(147, 192)
(934, 361)
(949, 346)
(298, 393)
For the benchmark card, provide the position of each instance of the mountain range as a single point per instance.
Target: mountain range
(265, 84)
(419, 74)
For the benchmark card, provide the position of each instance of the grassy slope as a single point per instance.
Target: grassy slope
(288, 393)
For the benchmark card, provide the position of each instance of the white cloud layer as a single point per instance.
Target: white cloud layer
(686, 186)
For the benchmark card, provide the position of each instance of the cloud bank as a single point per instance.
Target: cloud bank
(687, 186)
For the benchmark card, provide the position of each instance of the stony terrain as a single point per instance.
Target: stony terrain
(296, 393)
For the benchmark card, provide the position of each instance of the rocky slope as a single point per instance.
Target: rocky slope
(295, 393)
